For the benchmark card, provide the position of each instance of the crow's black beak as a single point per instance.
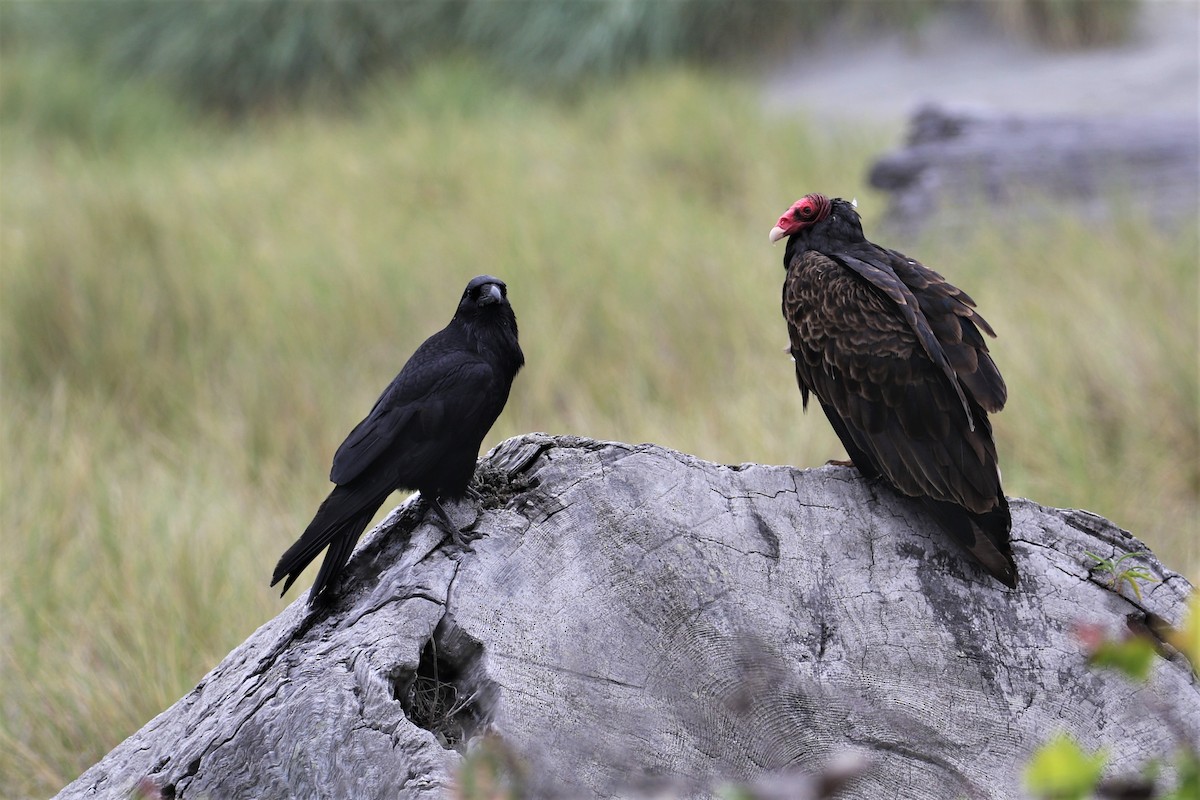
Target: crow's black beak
(490, 293)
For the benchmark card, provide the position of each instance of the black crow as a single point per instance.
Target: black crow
(895, 356)
(424, 432)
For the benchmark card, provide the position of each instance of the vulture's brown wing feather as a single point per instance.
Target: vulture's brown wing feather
(862, 359)
(953, 319)
(897, 413)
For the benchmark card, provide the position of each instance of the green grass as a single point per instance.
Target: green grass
(190, 324)
(244, 58)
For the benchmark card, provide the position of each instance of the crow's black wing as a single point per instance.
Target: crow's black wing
(372, 436)
(411, 430)
(440, 387)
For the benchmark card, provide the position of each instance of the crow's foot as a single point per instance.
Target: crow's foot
(456, 534)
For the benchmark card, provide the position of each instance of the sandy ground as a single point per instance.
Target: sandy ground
(957, 63)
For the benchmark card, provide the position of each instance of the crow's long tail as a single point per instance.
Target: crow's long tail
(339, 522)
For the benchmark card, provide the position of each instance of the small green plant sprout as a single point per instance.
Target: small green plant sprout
(1119, 576)
(1061, 770)
(1188, 766)
(1132, 655)
(1187, 638)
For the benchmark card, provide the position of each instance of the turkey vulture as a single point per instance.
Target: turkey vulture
(424, 432)
(895, 357)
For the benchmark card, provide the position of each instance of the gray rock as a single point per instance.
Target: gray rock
(635, 620)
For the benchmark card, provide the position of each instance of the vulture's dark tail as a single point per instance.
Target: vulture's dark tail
(339, 522)
(985, 536)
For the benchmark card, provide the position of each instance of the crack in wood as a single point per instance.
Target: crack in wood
(568, 671)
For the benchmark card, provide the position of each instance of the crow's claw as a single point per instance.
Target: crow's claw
(457, 535)
(463, 538)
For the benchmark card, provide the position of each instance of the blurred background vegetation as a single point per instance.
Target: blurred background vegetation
(224, 226)
(246, 57)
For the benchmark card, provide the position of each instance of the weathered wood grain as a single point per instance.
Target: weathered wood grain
(636, 617)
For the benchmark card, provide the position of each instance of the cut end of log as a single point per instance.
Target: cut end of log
(634, 619)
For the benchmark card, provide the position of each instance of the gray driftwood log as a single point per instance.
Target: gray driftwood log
(637, 618)
(957, 163)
